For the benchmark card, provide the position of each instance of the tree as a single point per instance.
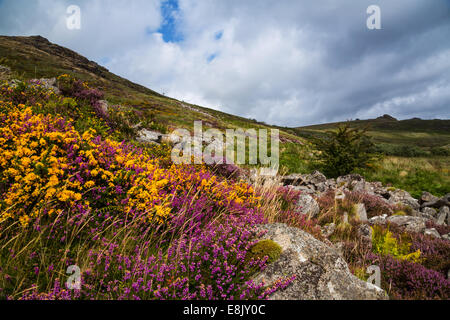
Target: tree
(343, 150)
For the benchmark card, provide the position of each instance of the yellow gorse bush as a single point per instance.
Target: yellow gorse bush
(47, 166)
(383, 242)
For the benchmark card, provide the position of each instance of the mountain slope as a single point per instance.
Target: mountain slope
(36, 57)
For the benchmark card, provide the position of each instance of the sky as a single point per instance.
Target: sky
(289, 63)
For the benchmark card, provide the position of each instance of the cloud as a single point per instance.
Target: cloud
(284, 62)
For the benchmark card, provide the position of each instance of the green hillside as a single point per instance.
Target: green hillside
(411, 137)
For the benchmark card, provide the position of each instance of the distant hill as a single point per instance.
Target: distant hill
(389, 123)
(422, 137)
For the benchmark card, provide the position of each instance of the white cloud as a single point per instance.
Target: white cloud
(283, 62)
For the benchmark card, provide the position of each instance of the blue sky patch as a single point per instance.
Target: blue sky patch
(211, 57)
(218, 35)
(168, 29)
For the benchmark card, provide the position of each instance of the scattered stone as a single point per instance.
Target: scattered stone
(315, 178)
(411, 224)
(365, 233)
(432, 232)
(5, 69)
(292, 180)
(331, 183)
(307, 205)
(103, 105)
(377, 220)
(321, 273)
(403, 198)
(310, 180)
(423, 215)
(5, 72)
(345, 218)
(49, 83)
(427, 197)
(350, 181)
(443, 213)
(446, 237)
(321, 187)
(358, 186)
(429, 211)
(339, 246)
(360, 211)
(328, 229)
(444, 201)
(147, 136)
(303, 189)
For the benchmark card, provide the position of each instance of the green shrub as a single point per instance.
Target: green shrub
(344, 150)
(440, 151)
(399, 150)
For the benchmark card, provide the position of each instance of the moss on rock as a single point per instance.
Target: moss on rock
(265, 248)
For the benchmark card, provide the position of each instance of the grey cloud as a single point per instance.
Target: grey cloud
(284, 62)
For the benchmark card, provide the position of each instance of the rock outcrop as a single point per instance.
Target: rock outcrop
(321, 273)
(427, 208)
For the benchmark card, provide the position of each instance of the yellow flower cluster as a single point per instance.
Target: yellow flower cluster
(32, 163)
(47, 166)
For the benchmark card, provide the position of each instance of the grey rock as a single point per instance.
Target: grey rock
(5, 69)
(103, 105)
(427, 197)
(360, 211)
(432, 232)
(331, 183)
(378, 220)
(411, 224)
(403, 198)
(354, 182)
(446, 237)
(147, 136)
(349, 178)
(49, 83)
(443, 213)
(321, 273)
(339, 247)
(429, 211)
(321, 187)
(358, 186)
(302, 189)
(310, 180)
(423, 215)
(377, 188)
(308, 205)
(345, 218)
(292, 180)
(365, 233)
(5, 72)
(328, 229)
(316, 177)
(444, 201)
